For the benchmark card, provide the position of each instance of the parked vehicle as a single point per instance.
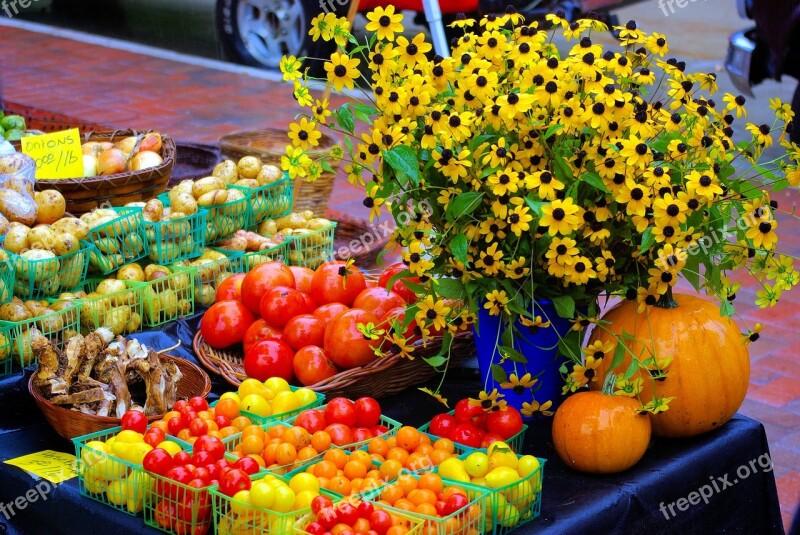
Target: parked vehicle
(768, 50)
(260, 32)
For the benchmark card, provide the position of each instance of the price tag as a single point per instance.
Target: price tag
(58, 155)
(54, 466)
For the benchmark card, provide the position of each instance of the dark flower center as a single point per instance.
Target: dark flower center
(559, 214)
(637, 194)
(673, 210)
(340, 71)
(765, 227)
(385, 21)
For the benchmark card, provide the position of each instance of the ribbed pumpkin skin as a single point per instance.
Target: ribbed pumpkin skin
(600, 434)
(710, 368)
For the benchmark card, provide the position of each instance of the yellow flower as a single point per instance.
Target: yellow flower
(398, 345)
(342, 70)
(321, 111)
(531, 409)
(490, 261)
(435, 395)
(753, 334)
(534, 324)
(496, 302)
(580, 271)
(587, 372)
(302, 94)
(290, 67)
(735, 104)
(767, 297)
(519, 217)
(385, 22)
(296, 162)
(304, 134)
(412, 52)
(516, 269)
(761, 134)
(657, 44)
(432, 313)
(561, 217)
(599, 349)
(629, 387)
(487, 400)
(763, 235)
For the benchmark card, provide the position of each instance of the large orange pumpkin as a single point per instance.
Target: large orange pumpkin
(600, 434)
(710, 367)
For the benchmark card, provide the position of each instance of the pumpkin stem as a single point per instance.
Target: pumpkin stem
(608, 384)
(667, 300)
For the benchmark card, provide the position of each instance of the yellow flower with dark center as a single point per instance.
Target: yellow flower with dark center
(492, 44)
(561, 217)
(496, 302)
(661, 280)
(462, 22)
(394, 101)
(490, 261)
(562, 251)
(644, 76)
(635, 197)
(581, 322)
(514, 104)
(599, 349)
(580, 271)
(321, 111)
(412, 52)
(735, 104)
(752, 335)
(597, 115)
(761, 134)
(519, 216)
(452, 165)
(416, 259)
(342, 70)
(304, 134)
(671, 258)
(657, 44)
(500, 154)
(398, 345)
(544, 183)
(432, 313)
(636, 152)
(533, 408)
(587, 372)
(385, 22)
(516, 269)
(519, 384)
(704, 184)
(763, 235)
(604, 266)
(646, 297)
(458, 125)
(492, 228)
(535, 324)
(669, 211)
(487, 400)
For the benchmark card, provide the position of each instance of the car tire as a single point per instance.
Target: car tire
(260, 32)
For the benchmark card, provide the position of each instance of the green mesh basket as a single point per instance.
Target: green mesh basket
(313, 248)
(110, 480)
(6, 346)
(251, 259)
(57, 326)
(169, 298)
(176, 508)
(119, 241)
(284, 416)
(209, 273)
(515, 442)
(270, 201)
(6, 281)
(175, 239)
(49, 276)
(225, 219)
(414, 524)
(121, 312)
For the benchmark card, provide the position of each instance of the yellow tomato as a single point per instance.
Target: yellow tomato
(250, 386)
(233, 395)
(284, 402)
(284, 499)
(255, 404)
(277, 384)
(262, 495)
(305, 396)
(477, 464)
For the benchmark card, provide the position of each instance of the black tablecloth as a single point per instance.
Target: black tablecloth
(653, 497)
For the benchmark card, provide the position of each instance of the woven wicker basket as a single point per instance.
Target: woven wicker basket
(70, 424)
(382, 377)
(269, 145)
(193, 160)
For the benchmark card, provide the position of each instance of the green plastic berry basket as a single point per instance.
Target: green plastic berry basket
(118, 242)
(121, 312)
(176, 239)
(414, 524)
(223, 220)
(47, 277)
(313, 248)
(283, 416)
(209, 274)
(57, 326)
(110, 480)
(252, 259)
(169, 298)
(271, 200)
(6, 361)
(7, 277)
(175, 508)
(515, 442)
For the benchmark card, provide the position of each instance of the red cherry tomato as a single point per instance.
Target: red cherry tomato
(154, 436)
(135, 421)
(304, 330)
(443, 425)
(334, 282)
(327, 312)
(468, 435)
(182, 458)
(398, 287)
(180, 405)
(380, 521)
(368, 412)
(269, 358)
(203, 458)
(225, 323)
(312, 365)
(314, 528)
(175, 425)
(281, 303)
(348, 513)
(158, 461)
(212, 445)
(345, 345)
(263, 278)
(378, 300)
(230, 288)
(455, 503)
(341, 411)
(248, 464)
(505, 423)
(198, 403)
(166, 514)
(320, 502)
(361, 434)
(341, 435)
(181, 474)
(260, 330)
(365, 509)
(312, 420)
(488, 438)
(198, 427)
(302, 278)
(467, 412)
(234, 481)
(222, 421)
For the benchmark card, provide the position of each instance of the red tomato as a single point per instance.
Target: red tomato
(154, 436)
(312, 420)
(368, 412)
(182, 458)
(260, 330)
(314, 528)
(378, 301)
(203, 458)
(225, 323)
(302, 278)
(281, 303)
(442, 425)
(380, 521)
(166, 514)
(365, 509)
(135, 421)
(304, 330)
(394, 319)
(174, 425)
(198, 403)
(468, 435)
(466, 412)
(231, 288)
(341, 411)
(488, 438)
(454, 503)
(248, 464)
(312, 365)
(180, 405)
(263, 278)
(398, 287)
(198, 427)
(348, 514)
(269, 358)
(361, 434)
(181, 474)
(311, 305)
(158, 461)
(222, 421)
(327, 312)
(234, 481)
(345, 345)
(505, 423)
(320, 502)
(212, 445)
(334, 282)
(341, 435)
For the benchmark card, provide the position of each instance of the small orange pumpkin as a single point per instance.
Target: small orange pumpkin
(600, 434)
(710, 368)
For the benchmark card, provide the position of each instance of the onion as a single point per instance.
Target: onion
(145, 160)
(151, 141)
(126, 145)
(110, 162)
(89, 165)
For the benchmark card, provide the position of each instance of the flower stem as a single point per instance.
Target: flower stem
(667, 300)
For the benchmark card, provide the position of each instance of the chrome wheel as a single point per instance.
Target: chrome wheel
(270, 29)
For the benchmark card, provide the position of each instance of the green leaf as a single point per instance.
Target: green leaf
(562, 169)
(477, 141)
(403, 160)
(450, 288)
(691, 271)
(594, 180)
(631, 371)
(499, 374)
(512, 354)
(409, 317)
(464, 204)
(565, 306)
(727, 309)
(570, 347)
(458, 246)
(535, 206)
(619, 354)
(552, 129)
(348, 144)
(364, 112)
(435, 361)
(326, 166)
(647, 240)
(344, 118)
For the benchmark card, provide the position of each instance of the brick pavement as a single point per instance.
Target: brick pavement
(104, 85)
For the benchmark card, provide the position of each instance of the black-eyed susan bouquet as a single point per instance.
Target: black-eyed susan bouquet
(529, 182)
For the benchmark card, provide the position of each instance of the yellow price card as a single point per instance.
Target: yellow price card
(57, 155)
(54, 466)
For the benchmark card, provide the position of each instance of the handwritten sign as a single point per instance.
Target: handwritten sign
(57, 155)
(54, 466)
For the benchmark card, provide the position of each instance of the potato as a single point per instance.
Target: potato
(318, 223)
(168, 300)
(116, 319)
(151, 268)
(152, 305)
(268, 174)
(17, 207)
(292, 221)
(65, 243)
(306, 214)
(132, 246)
(72, 225)
(42, 266)
(183, 202)
(181, 282)
(206, 295)
(248, 183)
(153, 210)
(51, 206)
(213, 255)
(107, 246)
(184, 186)
(109, 286)
(235, 195)
(50, 322)
(249, 167)
(4, 225)
(268, 228)
(213, 198)
(206, 185)
(23, 348)
(178, 225)
(236, 243)
(127, 144)
(5, 347)
(14, 311)
(184, 307)
(131, 272)
(136, 204)
(35, 308)
(227, 171)
(72, 270)
(134, 323)
(17, 239)
(42, 237)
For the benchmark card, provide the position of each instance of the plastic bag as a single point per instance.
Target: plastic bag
(17, 178)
